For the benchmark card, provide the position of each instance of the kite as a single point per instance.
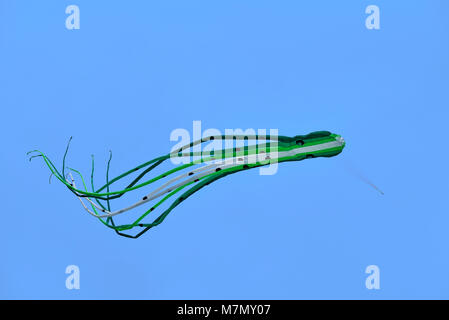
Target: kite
(199, 169)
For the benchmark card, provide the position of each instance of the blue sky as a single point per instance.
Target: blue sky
(136, 71)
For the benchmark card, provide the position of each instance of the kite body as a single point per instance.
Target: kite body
(200, 169)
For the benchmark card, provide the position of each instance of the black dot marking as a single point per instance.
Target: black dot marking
(309, 156)
(145, 198)
(212, 138)
(190, 173)
(218, 169)
(181, 198)
(140, 225)
(245, 166)
(300, 142)
(103, 210)
(196, 180)
(151, 209)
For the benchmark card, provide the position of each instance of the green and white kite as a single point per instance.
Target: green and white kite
(202, 169)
